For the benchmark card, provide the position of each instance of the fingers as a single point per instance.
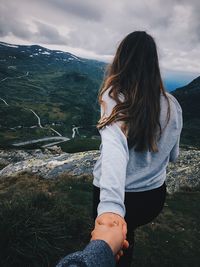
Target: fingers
(110, 218)
(125, 244)
(108, 224)
(120, 252)
(119, 255)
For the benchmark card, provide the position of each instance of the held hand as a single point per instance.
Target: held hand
(113, 235)
(108, 218)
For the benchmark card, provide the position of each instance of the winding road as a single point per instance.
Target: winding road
(11, 78)
(74, 129)
(4, 101)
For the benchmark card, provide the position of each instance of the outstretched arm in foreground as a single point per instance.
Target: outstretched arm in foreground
(106, 241)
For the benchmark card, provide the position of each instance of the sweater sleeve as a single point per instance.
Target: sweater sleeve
(175, 151)
(97, 253)
(115, 157)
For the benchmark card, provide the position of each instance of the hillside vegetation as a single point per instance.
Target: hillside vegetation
(58, 86)
(39, 224)
(189, 99)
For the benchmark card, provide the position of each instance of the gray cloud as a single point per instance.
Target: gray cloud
(11, 23)
(83, 9)
(47, 34)
(97, 27)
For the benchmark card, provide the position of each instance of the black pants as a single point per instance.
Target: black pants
(141, 208)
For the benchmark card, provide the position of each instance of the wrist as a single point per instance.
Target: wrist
(112, 214)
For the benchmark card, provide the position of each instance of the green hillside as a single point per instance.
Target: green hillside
(59, 87)
(189, 99)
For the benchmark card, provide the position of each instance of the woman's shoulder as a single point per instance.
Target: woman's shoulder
(176, 117)
(109, 102)
(173, 101)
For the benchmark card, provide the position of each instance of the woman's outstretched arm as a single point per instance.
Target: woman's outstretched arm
(115, 156)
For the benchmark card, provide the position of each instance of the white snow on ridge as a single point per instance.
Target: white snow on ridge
(75, 57)
(45, 53)
(10, 45)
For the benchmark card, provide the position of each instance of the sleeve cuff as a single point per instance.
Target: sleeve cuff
(97, 253)
(101, 251)
(111, 207)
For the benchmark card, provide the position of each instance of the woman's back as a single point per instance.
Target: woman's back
(146, 170)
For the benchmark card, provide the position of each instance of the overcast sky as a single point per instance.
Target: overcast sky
(93, 29)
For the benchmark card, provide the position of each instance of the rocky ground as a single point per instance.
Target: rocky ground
(53, 162)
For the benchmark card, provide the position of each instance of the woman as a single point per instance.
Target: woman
(140, 129)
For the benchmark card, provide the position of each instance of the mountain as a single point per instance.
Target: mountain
(189, 99)
(55, 87)
(173, 79)
(51, 93)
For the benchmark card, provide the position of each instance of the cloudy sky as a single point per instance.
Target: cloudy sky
(93, 29)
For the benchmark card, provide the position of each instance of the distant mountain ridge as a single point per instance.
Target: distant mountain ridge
(23, 55)
(193, 86)
(189, 99)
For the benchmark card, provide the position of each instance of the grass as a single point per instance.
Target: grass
(79, 144)
(173, 238)
(39, 222)
(44, 220)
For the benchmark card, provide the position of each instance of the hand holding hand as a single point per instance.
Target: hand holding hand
(108, 218)
(111, 228)
(113, 235)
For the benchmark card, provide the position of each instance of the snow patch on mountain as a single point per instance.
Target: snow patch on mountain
(9, 45)
(45, 53)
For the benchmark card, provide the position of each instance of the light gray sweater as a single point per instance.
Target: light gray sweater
(120, 169)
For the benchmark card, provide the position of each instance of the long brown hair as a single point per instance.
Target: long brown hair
(135, 73)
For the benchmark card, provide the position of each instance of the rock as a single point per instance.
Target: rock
(47, 165)
(51, 164)
(13, 156)
(185, 173)
(54, 149)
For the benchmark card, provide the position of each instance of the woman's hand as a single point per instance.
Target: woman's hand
(109, 218)
(113, 235)
(112, 228)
